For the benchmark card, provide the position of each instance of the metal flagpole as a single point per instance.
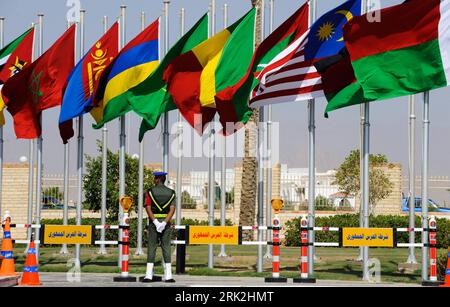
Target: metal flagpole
(39, 149)
(122, 137)
(259, 267)
(268, 254)
(361, 183)
(102, 250)
(311, 164)
(223, 172)
(211, 171)
(425, 160)
(2, 43)
(139, 250)
(180, 142)
(64, 249)
(80, 146)
(165, 116)
(412, 175)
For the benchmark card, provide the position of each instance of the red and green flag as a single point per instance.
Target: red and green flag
(13, 58)
(40, 86)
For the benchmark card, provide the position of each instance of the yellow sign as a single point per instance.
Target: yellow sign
(373, 237)
(56, 234)
(214, 235)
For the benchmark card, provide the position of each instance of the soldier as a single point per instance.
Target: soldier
(160, 207)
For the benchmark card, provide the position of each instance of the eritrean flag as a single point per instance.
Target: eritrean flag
(13, 58)
(135, 62)
(195, 77)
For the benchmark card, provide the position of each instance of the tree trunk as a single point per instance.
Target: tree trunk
(247, 214)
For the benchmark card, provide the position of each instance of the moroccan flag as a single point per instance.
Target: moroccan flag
(194, 78)
(339, 82)
(13, 58)
(232, 102)
(135, 62)
(150, 99)
(40, 86)
(406, 53)
(84, 79)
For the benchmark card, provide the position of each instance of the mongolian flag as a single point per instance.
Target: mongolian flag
(84, 80)
(135, 62)
(13, 58)
(40, 86)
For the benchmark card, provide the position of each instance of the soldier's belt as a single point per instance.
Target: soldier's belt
(160, 215)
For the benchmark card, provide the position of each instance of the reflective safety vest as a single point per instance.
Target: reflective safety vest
(160, 211)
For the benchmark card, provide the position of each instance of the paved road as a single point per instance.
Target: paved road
(106, 280)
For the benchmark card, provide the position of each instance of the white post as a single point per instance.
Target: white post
(165, 116)
(311, 164)
(425, 147)
(2, 43)
(140, 204)
(123, 138)
(361, 183)
(102, 250)
(412, 175)
(80, 149)
(223, 172)
(39, 148)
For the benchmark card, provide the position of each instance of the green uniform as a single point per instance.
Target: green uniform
(160, 198)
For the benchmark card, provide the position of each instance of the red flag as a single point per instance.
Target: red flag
(40, 86)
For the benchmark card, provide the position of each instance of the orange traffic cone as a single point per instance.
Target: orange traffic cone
(30, 276)
(447, 272)
(7, 267)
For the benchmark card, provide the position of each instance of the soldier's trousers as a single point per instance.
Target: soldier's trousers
(154, 239)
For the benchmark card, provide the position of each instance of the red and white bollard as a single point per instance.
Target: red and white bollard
(125, 228)
(304, 253)
(276, 227)
(432, 239)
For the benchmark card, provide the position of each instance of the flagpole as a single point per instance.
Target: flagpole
(80, 145)
(311, 164)
(102, 250)
(123, 137)
(64, 249)
(365, 170)
(412, 175)
(139, 250)
(361, 183)
(425, 161)
(165, 116)
(260, 214)
(211, 174)
(268, 254)
(223, 173)
(39, 149)
(2, 43)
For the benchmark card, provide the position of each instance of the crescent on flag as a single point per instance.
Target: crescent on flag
(347, 15)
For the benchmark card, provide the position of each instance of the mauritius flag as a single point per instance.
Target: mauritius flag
(13, 58)
(195, 77)
(135, 62)
(84, 79)
(406, 53)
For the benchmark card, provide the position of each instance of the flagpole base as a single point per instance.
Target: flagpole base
(304, 280)
(275, 279)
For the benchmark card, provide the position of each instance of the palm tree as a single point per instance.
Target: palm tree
(250, 164)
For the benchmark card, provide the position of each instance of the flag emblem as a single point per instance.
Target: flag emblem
(35, 86)
(17, 66)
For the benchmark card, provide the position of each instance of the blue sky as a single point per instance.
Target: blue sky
(336, 136)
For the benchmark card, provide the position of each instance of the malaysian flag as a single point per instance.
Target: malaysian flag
(291, 76)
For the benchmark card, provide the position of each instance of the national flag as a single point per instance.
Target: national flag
(231, 102)
(406, 53)
(84, 79)
(13, 58)
(135, 62)
(339, 82)
(150, 98)
(291, 75)
(40, 86)
(194, 78)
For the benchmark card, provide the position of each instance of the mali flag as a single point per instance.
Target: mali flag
(150, 99)
(13, 58)
(194, 78)
(84, 79)
(135, 62)
(40, 86)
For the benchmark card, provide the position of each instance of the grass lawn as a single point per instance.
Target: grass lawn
(332, 263)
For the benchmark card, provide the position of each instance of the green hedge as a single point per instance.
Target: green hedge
(292, 234)
(111, 235)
